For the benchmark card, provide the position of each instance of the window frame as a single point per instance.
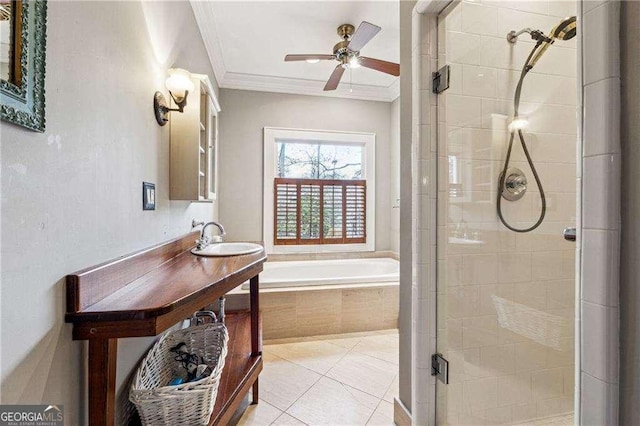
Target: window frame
(274, 134)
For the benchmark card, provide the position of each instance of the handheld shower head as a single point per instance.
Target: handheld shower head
(565, 30)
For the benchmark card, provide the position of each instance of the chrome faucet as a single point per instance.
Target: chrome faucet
(204, 241)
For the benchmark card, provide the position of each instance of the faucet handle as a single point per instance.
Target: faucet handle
(195, 224)
(202, 242)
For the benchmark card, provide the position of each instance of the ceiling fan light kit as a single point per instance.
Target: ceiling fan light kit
(347, 53)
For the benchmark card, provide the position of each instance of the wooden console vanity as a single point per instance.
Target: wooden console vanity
(147, 292)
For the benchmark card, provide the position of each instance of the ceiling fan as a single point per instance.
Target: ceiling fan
(347, 52)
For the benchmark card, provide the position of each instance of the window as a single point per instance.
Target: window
(318, 191)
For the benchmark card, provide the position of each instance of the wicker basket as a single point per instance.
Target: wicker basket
(189, 403)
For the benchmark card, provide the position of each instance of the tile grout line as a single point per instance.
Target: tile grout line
(386, 391)
(270, 405)
(307, 368)
(307, 390)
(352, 349)
(360, 390)
(290, 415)
(373, 412)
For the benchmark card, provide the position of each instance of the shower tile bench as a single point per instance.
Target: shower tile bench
(146, 293)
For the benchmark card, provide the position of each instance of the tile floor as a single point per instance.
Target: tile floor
(346, 379)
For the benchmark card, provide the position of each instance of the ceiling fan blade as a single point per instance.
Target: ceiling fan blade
(334, 80)
(290, 58)
(380, 65)
(365, 32)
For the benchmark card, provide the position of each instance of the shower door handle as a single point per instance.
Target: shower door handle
(569, 234)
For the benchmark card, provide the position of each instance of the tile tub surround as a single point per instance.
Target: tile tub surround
(303, 312)
(348, 379)
(328, 309)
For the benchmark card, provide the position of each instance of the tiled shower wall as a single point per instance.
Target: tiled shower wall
(505, 300)
(598, 175)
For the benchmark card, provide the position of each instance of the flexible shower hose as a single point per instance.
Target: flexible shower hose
(503, 175)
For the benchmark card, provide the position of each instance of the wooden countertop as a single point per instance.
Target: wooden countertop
(152, 289)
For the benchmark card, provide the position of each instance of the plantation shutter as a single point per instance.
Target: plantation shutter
(286, 214)
(355, 212)
(309, 205)
(319, 211)
(333, 218)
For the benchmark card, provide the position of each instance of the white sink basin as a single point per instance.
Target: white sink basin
(228, 249)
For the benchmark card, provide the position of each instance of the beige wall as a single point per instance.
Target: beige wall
(246, 113)
(629, 294)
(71, 195)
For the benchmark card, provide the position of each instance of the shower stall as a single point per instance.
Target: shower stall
(506, 211)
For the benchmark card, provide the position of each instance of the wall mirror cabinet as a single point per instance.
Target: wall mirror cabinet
(194, 145)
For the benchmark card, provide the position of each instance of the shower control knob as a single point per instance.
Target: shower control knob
(515, 184)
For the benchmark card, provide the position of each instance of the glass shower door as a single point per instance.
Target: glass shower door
(505, 299)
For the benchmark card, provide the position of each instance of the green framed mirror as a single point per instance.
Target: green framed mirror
(23, 35)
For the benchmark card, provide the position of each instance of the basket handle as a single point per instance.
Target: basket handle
(199, 317)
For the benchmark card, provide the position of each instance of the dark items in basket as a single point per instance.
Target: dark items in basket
(194, 365)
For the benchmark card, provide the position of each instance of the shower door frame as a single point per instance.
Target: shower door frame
(424, 303)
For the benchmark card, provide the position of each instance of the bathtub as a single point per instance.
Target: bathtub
(328, 272)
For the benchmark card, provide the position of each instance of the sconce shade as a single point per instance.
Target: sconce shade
(178, 83)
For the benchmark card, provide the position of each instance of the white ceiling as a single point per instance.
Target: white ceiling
(247, 42)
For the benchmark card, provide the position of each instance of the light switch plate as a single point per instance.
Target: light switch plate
(148, 196)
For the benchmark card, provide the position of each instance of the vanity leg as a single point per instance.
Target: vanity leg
(255, 397)
(255, 317)
(102, 381)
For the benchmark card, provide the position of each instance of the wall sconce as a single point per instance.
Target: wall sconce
(179, 85)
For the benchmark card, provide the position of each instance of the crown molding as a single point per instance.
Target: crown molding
(240, 81)
(209, 33)
(395, 89)
(299, 86)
